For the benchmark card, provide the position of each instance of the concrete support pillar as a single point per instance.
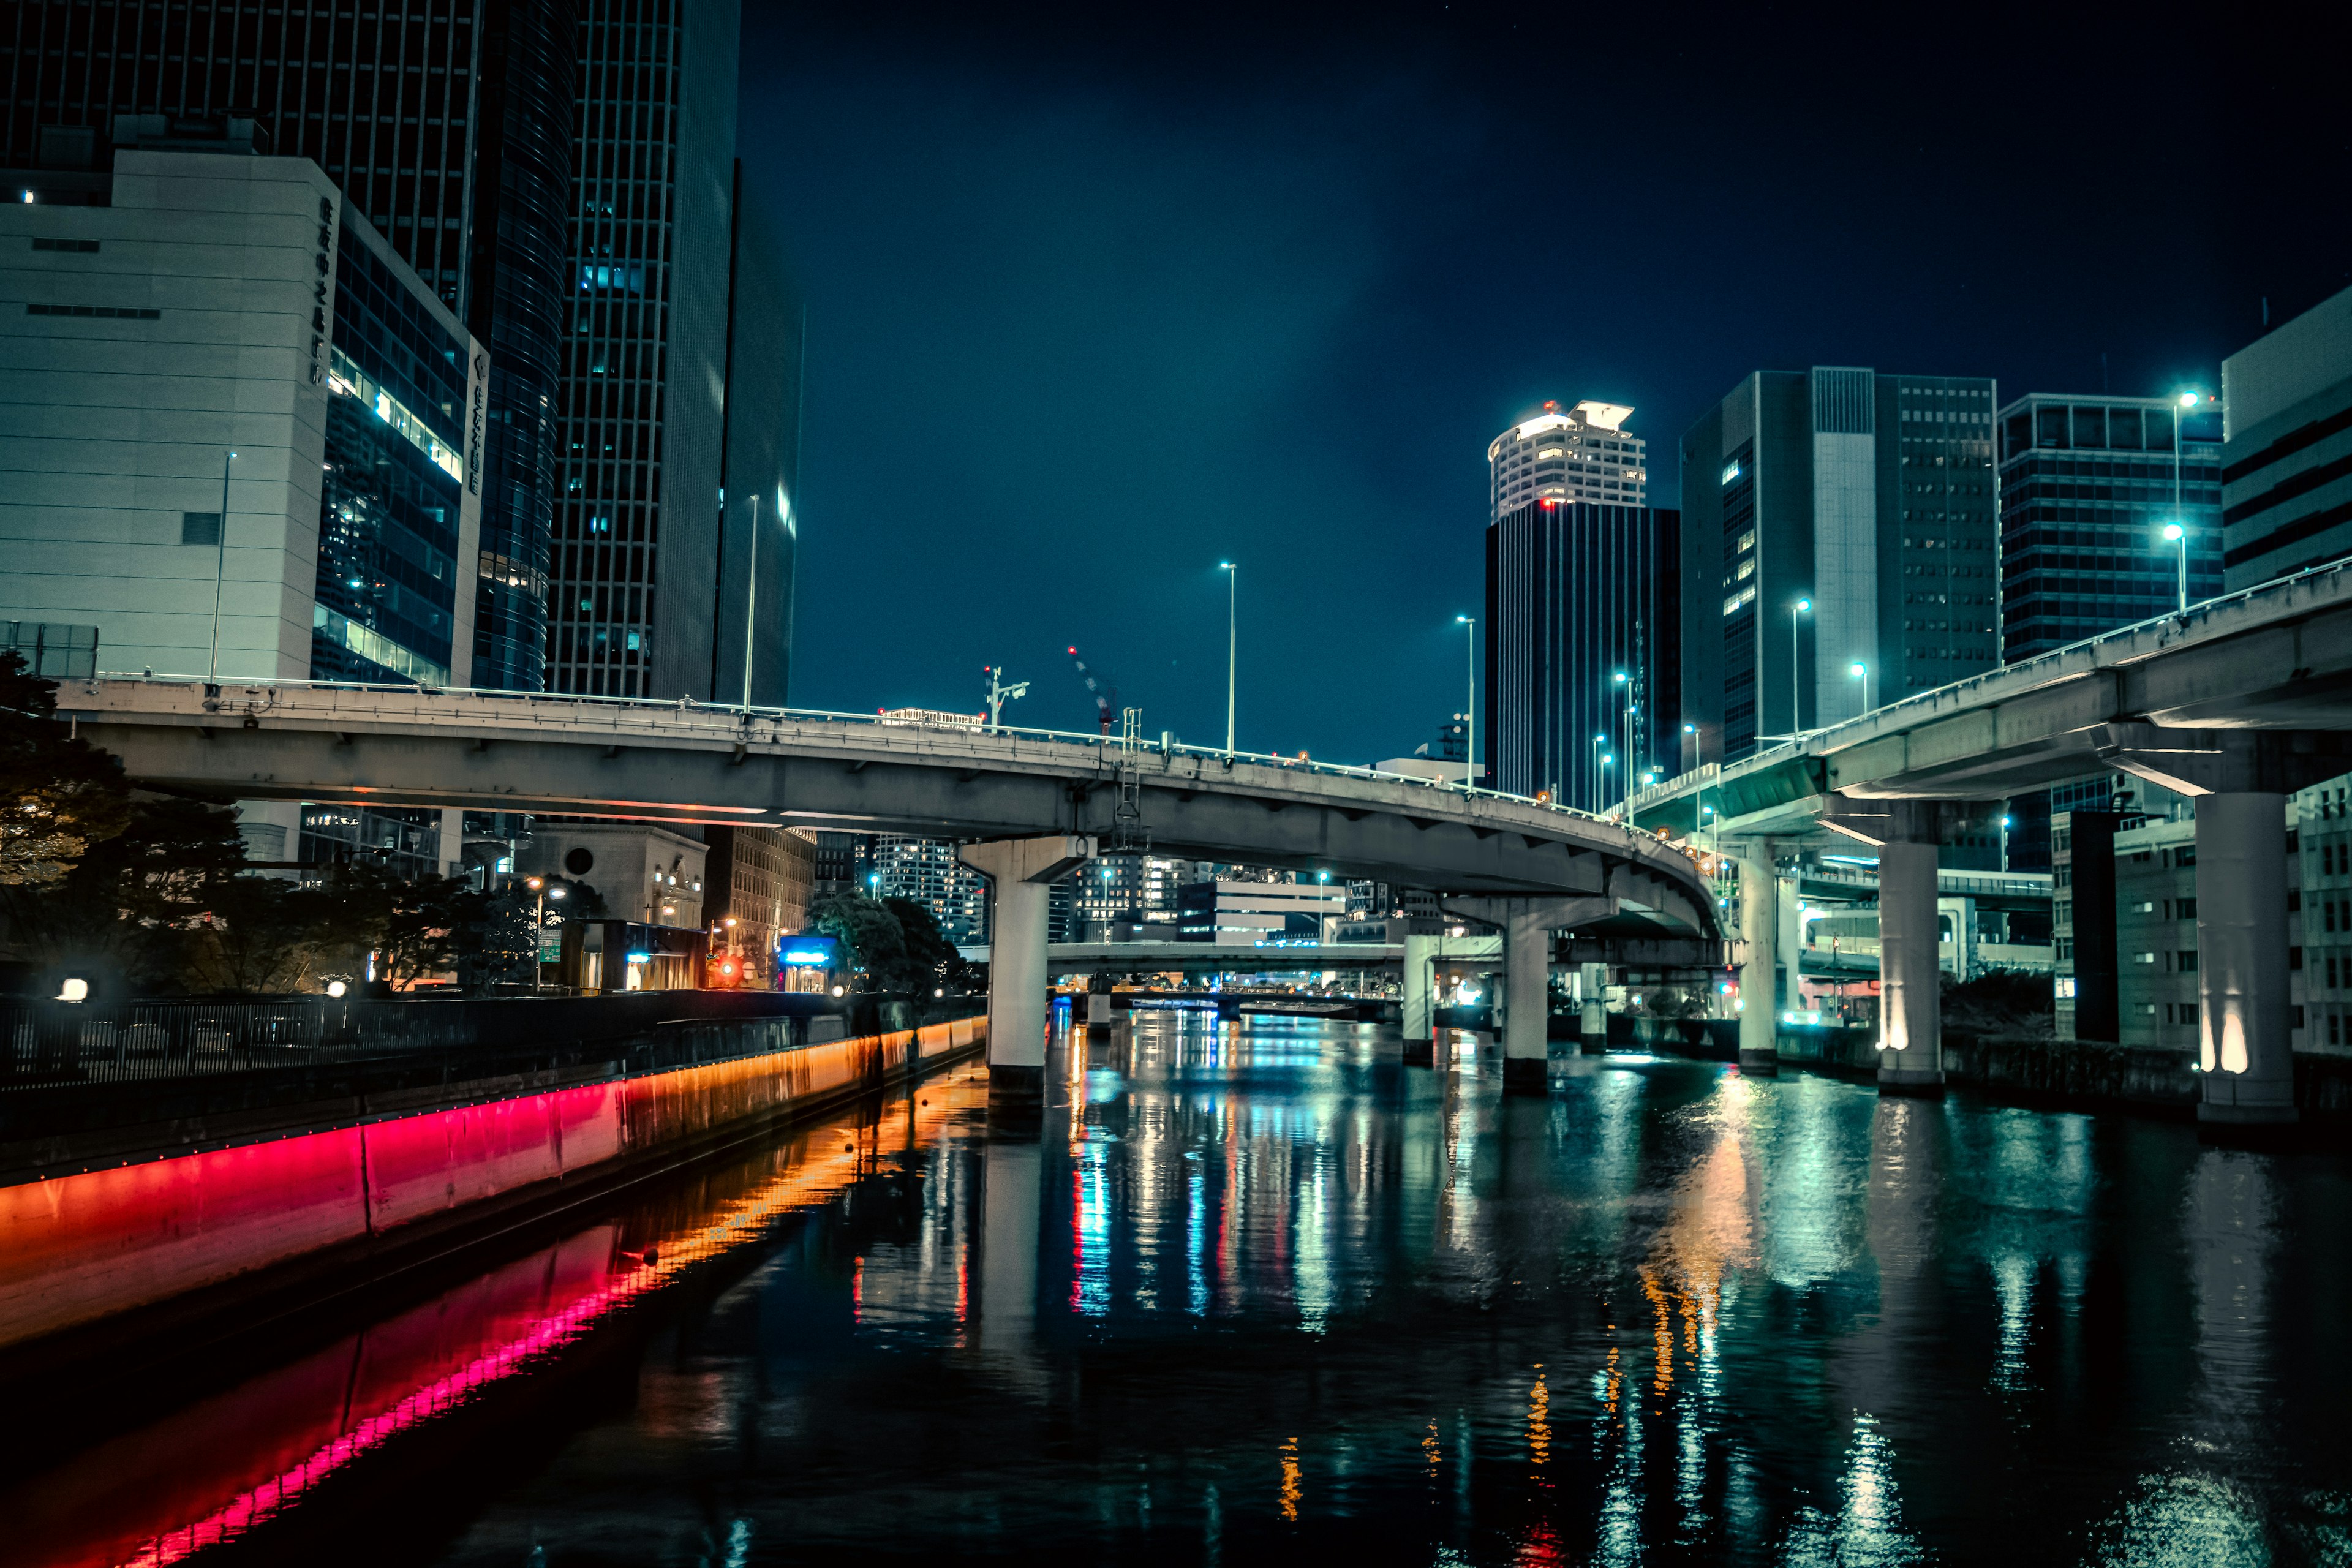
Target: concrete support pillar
(1910, 982)
(1098, 1011)
(1527, 1017)
(1759, 937)
(1528, 924)
(1020, 873)
(1420, 1033)
(1592, 1023)
(2245, 1040)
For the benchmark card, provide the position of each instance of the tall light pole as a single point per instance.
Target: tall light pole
(750, 599)
(2177, 531)
(220, 567)
(1796, 705)
(1861, 672)
(1625, 723)
(1598, 742)
(1470, 718)
(1233, 641)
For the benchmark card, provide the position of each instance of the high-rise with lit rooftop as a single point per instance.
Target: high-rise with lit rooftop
(1583, 455)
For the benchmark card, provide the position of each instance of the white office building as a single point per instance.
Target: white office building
(1583, 455)
(237, 432)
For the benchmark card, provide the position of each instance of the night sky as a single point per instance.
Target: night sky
(1098, 296)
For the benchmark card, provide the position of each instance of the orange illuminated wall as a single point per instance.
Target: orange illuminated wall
(78, 1249)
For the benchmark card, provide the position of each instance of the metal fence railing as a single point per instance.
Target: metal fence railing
(53, 1045)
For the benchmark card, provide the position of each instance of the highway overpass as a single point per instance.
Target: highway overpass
(1029, 805)
(2237, 702)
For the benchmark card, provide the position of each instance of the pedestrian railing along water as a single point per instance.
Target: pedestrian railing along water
(53, 1045)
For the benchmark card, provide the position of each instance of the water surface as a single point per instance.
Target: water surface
(1257, 1290)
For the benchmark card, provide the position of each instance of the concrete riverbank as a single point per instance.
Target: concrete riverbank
(111, 1233)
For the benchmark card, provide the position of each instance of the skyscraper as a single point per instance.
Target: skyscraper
(635, 592)
(1583, 455)
(2088, 488)
(1838, 526)
(443, 122)
(1583, 659)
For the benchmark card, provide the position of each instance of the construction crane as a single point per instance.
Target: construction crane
(999, 694)
(1106, 695)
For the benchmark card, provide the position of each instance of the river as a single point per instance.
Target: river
(1258, 1291)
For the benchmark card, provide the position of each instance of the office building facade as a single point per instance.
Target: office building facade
(2088, 488)
(1582, 454)
(634, 579)
(1833, 518)
(316, 493)
(444, 123)
(1583, 649)
(1258, 914)
(2286, 456)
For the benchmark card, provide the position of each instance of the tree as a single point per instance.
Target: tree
(128, 912)
(871, 937)
(266, 934)
(59, 794)
(931, 960)
(415, 929)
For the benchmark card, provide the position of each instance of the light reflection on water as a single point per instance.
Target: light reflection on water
(1260, 1290)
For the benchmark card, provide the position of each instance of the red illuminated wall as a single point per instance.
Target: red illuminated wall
(80, 1247)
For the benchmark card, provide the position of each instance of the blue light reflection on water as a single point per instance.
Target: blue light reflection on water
(1667, 1314)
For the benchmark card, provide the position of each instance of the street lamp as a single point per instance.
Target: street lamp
(2175, 530)
(220, 561)
(1861, 672)
(1625, 717)
(750, 599)
(1796, 709)
(1606, 758)
(1598, 742)
(1470, 718)
(1233, 641)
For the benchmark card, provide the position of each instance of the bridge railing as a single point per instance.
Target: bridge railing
(1112, 748)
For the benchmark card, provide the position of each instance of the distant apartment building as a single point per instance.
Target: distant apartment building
(1259, 914)
(2127, 924)
(760, 881)
(1583, 455)
(1840, 550)
(927, 871)
(1583, 659)
(1120, 895)
(2286, 460)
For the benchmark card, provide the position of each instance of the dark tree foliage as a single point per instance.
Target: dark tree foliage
(896, 942)
(2001, 1003)
(58, 795)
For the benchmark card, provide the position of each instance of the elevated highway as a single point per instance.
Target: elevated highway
(1029, 805)
(2237, 702)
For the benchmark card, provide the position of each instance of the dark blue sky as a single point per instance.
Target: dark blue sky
(1099, 297)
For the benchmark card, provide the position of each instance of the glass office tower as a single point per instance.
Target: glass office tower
(634, 590)
(1582, 650)
(2088, 487)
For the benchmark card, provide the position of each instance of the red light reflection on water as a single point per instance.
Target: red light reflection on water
(214, 1473)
